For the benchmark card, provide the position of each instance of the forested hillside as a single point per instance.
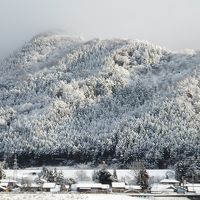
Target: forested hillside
(85, 101)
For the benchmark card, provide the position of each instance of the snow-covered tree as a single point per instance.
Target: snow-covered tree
(100, 99)
(2, 173)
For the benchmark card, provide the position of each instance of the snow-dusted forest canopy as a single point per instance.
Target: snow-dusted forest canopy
(61, 97)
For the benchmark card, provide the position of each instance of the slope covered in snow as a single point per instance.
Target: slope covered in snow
(61, 97)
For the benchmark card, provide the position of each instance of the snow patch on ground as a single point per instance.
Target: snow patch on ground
(49, 196)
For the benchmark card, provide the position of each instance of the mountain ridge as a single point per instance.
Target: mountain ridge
(99, 99)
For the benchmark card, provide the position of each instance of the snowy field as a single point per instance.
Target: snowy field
(123, 174)
(49, 196)
(170, 198)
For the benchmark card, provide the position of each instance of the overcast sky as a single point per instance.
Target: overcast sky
(174, 24)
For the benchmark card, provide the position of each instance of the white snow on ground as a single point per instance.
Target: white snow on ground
(170, 198)
(49, 196)
(122, 173)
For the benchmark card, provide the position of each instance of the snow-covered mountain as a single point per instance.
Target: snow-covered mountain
(100, 99)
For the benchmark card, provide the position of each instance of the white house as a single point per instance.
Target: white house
(133, 188)
(33, 187)
(57, 188)
(118, 186)
(48, 187)
(193, 187)
(9, 181)
(2, 189)
(161, 188)
(90, 187)
(169, 182)
(165, 186)
(43, 180)
(9, 184)
(5, 185)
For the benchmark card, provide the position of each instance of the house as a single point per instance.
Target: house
(2, 189)
(105, 188)
(49, 187)
(31, 188)
(165, 186)
(90, 187)
(43, 180)
(9, 184)
(161, 188)
(56, 189)
(173, 182)
(181, 190)
(133, 188)
(5, 185)
(193, 187)
(118, 187)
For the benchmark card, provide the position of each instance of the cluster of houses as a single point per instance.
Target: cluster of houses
(172, 185)
(104, 188)
(164, 186)
(9, 185)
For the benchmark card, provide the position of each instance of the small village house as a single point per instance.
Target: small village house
(165, 186)
(31, 188)
(91, 187)
(133, 188)
(2, 189)
(173, 182)
(56, 189)
(49, 187)
(105, 188)
(193, 187)
(9, 184)
(118, 187)
(162, 188)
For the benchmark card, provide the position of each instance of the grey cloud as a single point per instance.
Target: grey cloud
(173, 24)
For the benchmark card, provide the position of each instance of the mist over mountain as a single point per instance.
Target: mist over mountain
(87, 101)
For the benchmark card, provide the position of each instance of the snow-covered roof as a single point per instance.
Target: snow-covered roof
(33, 185)
(118, 184)
(56, 188)
(43, 180)
(3, 188)
(7, 181)
(49, 185)
(133, 187)
(162, 188)
(19, 184)
(4, 184)
(169, 181)
(105, 186)
(192, 185)
(89, 185)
